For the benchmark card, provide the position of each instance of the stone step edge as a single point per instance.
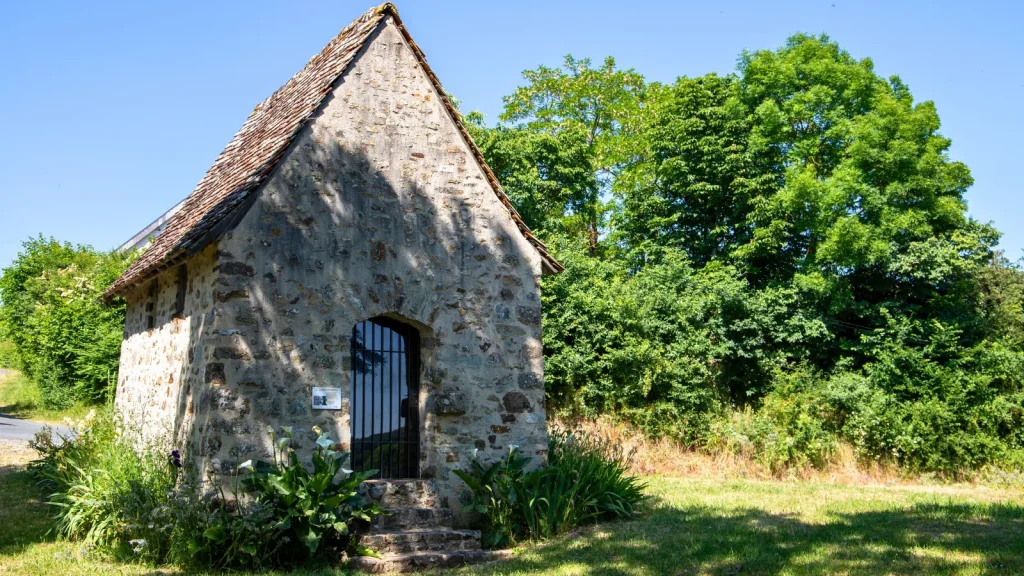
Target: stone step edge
(439, 529)
(440, 518)
(444, 540)
(414, 561)
(401, 509)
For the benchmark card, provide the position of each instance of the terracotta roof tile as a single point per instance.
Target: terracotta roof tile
(254, 151)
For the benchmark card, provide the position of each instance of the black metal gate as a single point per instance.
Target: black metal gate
(384, 400)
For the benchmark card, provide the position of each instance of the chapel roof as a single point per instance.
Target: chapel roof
(247, 161)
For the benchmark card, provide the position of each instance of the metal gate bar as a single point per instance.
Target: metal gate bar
(384, 401)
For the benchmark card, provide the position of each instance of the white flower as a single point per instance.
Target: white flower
(137, 545)
(346, 471)
(245, 465)
(512, 447)
(475, 452)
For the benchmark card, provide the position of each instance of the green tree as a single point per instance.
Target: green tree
(580, 103)
(809, 170)
(694, 184)
(67, 339)
(548, 176)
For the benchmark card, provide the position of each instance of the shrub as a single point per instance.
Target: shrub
(67, 340)
(211, 531)
(585, 480)
(495, 495)
(667, 346)
(8, 353)
(932, 405)
(792, 428)
(312, 507)
(144, 505)
(104, 492)
(601, 470)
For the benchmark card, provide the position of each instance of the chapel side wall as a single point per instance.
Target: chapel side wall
(378, 208)
(156, 370)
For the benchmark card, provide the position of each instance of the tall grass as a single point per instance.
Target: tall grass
(665, 456)
(8, 354)
(18, 393)
(105, 492)
(586, 479)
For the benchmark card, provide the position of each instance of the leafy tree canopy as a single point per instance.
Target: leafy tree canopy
(794, 233)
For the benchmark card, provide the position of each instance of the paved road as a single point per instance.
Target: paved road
(12, 428)
(16, 429)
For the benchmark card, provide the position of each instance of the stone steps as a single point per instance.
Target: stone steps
(418, 532)
(421, 540)
(400, 493)
(416, 561)
(412, 519)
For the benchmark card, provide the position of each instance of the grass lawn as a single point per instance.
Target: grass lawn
(20, 398)
(696, 526)
(764, 527)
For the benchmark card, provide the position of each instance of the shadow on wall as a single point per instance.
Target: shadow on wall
(330, 241)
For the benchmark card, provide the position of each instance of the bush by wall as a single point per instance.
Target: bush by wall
(142, 505)
(585, 480)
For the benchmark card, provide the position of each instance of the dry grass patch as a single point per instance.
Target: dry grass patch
(14, 455)
(666, 457)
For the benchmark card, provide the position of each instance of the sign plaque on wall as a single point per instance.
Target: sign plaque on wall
(326, 398)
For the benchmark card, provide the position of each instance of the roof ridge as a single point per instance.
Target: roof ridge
(262, 141)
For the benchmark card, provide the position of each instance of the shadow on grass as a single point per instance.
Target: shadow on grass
(24, 514)
(16, 409)
(918, 539)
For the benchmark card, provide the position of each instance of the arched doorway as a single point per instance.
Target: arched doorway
(384, 399)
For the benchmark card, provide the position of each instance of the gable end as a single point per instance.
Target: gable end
(250, 157)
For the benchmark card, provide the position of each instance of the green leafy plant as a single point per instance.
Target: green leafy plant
(315, 507)
(104, 492)
(584, 481)
(495, 494)
(66, 338)
(600, 471)
(138, 504)
(215, 532)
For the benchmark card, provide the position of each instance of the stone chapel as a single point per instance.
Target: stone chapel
(349, 261)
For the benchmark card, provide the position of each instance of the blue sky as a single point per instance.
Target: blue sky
(112, 112)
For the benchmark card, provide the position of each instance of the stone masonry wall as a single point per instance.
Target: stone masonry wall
(156, 369)
(378, 208)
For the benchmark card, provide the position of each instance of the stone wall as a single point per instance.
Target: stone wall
(377, 209)
(157, 370)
